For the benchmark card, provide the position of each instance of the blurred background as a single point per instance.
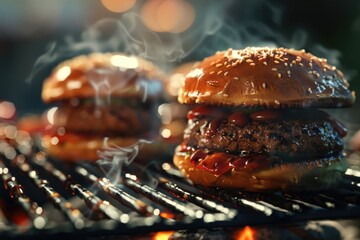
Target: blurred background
(36, 35)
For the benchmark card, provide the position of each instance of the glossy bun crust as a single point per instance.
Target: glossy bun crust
(99, 74)
(266, 77)
(313, 175)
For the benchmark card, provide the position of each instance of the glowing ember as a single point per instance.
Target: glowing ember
(162, 235)
(167, 215)
(245, 234)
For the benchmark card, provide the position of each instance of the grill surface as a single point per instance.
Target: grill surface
(43, 197)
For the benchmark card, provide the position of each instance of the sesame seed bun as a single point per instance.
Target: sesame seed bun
(99, 74)
(266, 77)
(307, 175)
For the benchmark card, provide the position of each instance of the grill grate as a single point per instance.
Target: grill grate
(80, 200)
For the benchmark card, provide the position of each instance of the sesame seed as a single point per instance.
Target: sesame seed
(277, 102)
(264, 85)
(291, 64)
(279, 75)
(234, 64)
(227, 66)
(217, 61)
(301, 65)
(236, 78)
(310, 64)
(265, 63)
(212, 63)
(252, 64)
(252, 84)
(249, 60)
(226, 73)
(226, 95)
(285, 64)
(316, 74)
(274, 69)
(212, 72)
(218, 65)
(276, 61)
(325, 70)
(288, 72)
(219, 72)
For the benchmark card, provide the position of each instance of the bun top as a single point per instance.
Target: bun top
(103, 75)
(176, 77)
(266, 78)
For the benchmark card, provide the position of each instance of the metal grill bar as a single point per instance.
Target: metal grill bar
(93, 202)
(154, 195)
(72, 214)
(117, 193)
(16, 192)
(188, 206)
(189, 196)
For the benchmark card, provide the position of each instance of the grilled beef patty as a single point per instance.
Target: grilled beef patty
(288, 139)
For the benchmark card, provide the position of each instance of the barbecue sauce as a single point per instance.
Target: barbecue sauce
(220, 163)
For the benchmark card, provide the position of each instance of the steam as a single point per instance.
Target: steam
(112, 157)
(212, 31)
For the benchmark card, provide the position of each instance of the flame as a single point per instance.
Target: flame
(247, 233)
(162, 235)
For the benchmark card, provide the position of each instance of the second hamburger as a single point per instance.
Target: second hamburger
(101, 95)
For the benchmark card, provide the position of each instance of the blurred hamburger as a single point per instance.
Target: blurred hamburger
(256, 125)
(101, 95)
(173, 114)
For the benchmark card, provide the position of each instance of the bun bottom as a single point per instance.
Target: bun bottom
(312, 176)
(81, 148)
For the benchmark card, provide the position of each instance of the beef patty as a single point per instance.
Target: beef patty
(288, 139)
(112, 118)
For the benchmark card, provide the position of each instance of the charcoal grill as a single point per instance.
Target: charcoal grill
(79, 200)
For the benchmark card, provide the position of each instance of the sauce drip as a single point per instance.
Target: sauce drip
(220, 163)
(239, 118)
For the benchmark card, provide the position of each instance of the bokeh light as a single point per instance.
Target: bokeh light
(118, 6)
(173, 16)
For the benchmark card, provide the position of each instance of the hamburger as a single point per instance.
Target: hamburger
(100, 95)
(256, 124)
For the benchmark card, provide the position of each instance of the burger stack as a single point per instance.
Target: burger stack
(257, 123)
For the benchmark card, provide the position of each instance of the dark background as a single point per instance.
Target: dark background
(328, 28)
